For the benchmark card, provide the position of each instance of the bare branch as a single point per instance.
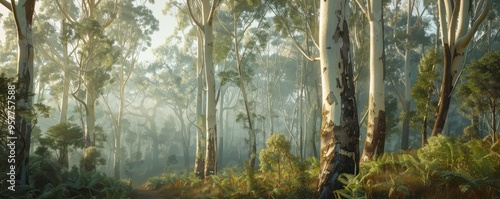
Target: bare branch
(192, 16)
(6, 4)
(363, 9)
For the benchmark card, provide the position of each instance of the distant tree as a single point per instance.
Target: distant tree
(64, 137)
(480, 92)
(136, 24)
(424, 92)
(246, 40)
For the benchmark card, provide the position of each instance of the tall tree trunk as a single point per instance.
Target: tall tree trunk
(311, 133)
(23, 14)
(455, 36)
(199, 162)
(220, 155)
(251, 133)
(89, 136)
(117, 153)
(375, 134)
(301, 109)
(211, 124)
(154, 137)
(66, 81)
(89, 118)
(339, 126)
(185, 143)
(405, 136)
(119, 123)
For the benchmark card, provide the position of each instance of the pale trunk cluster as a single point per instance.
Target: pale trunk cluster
(206, 26)
(375, 135)
(339, 129)
(455, 36)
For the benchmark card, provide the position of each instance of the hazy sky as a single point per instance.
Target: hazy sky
(167, 25)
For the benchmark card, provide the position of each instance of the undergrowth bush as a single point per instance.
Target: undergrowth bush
(281, 175)
(50, 181)
(445, 168)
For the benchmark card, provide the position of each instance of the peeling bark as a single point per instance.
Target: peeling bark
(339, 129)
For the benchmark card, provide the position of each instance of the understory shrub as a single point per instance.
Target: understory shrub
(445, 168)
(51, 181)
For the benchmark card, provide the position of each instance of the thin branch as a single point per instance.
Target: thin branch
(6, 4)
(398, 91)
(363, 9)
(192, 16)
(363, 118)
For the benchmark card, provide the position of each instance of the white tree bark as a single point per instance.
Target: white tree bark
(211, 124)
(199, 162)
(339, 128)
(23, 14)
(375, 135)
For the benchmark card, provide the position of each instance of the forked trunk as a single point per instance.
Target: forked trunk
(456, 33)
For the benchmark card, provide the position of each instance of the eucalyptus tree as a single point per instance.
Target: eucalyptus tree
(339, 128)
(409, 35)
(375, 135)
(57, 51)
(176, 82)
(95, 55)
(479, 95)
(135, 25)
(456, 34)
(298, 21)
(23, 11)
(204, 22)
(237, 19)
(424, 92)
(186, 17)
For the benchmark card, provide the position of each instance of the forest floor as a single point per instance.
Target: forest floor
(141, 192)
